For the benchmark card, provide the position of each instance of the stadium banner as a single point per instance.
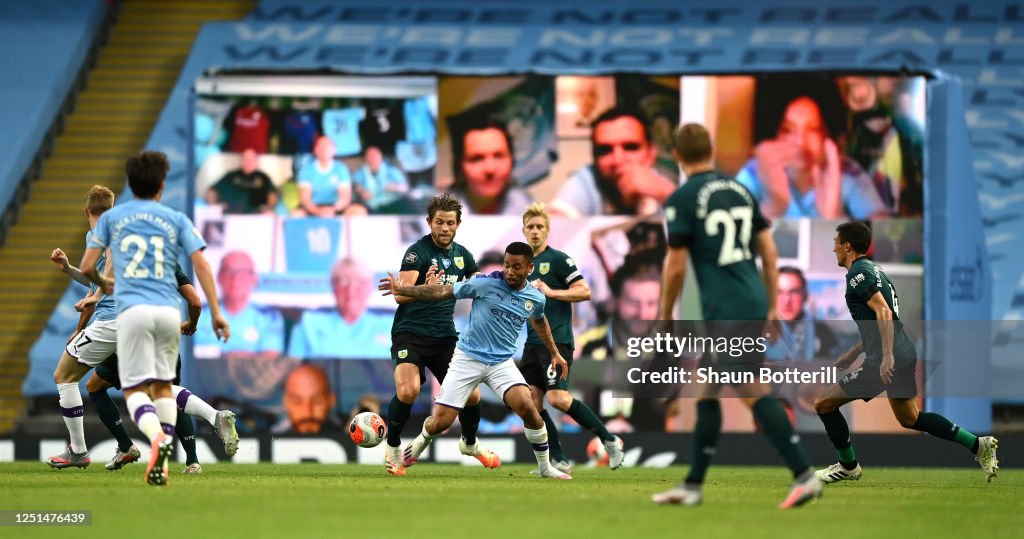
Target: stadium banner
(567, 59)
(650, 450)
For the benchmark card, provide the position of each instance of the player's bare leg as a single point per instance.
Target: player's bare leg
(518, 399)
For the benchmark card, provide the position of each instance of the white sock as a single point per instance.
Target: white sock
(539, 440)
(194, 406)
(167, 411)
(74, 415)
(426, 435)
(144, 414)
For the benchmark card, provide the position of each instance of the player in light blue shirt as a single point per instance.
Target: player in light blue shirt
(502, 303)
(145, 239)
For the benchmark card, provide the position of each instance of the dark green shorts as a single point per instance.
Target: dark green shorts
(535, 363)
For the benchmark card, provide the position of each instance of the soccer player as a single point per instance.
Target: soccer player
(890, 363)
(145, 239)
(714, 220)
(558, 278)
(502, 302)
(85, 347)
(423, 333)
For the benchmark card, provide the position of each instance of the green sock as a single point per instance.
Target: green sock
(780, 433)
(186, 430)
(553, 444)
(469, 418)
(398, 414)
(939, 426)
(839, 433)
(705, 438)
(589, 420)
(111, 418)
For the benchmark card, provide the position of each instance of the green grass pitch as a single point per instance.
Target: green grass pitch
(450, 501)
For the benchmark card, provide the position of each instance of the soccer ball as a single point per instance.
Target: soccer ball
(367, 429)
(597, 453)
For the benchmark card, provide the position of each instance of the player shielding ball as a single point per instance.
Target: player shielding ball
(502, 303)
(715, 221)
(890, 363)
(145, 239)
(423, 333)
(555, 274)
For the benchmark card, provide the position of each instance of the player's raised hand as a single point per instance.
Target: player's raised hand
(60, 259)
(433, 275)
(388, 284)
(221, 328)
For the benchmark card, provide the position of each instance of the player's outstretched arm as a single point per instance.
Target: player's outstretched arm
(543, 330)
(59, 258)
(205, 276)
(428, 292)
(673, 274)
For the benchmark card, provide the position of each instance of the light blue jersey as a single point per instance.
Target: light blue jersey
(253, 330)
(145, 239)
(106, 307)
(324, 334)
(497, 317)
(324, 183)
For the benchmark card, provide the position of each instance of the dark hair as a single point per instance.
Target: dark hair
(621, 111)
(796, 272)
(520, 248)
(444, 202)
(490, 258)
(692, 143)
(459, 145)
(633, 271)
(857, 234)
(146, 173)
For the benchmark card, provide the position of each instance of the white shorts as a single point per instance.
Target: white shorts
(147, 347)
(95, 343)
(465, 374)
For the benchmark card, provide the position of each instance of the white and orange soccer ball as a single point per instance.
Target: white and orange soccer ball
(367, 429)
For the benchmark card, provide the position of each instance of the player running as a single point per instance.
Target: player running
(93, 345)
(558, 278)
(715, 221)
(502, 302)
(423, 333)
(145, 239)
(890, 363)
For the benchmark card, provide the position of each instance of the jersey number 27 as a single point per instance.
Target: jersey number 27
(726, 222)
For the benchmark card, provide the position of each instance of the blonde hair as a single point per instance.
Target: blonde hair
(537, 209)
(98, 200)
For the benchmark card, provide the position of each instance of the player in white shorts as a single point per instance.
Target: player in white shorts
(502, 303)
(145, 239)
